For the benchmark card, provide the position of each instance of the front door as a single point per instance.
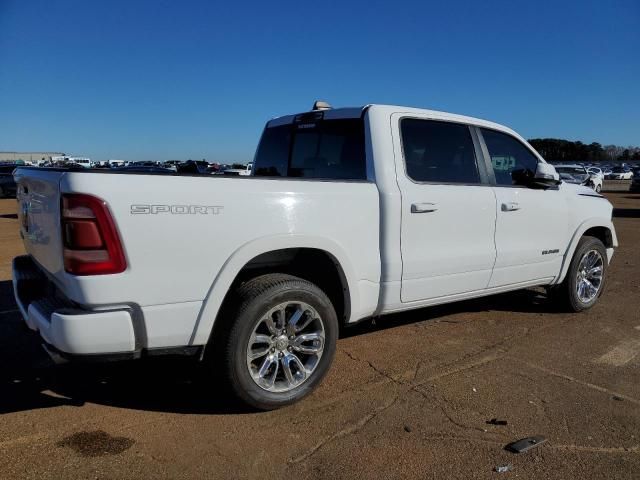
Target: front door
(448, 210)
(531, 224)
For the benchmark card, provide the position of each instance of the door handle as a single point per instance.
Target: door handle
(510, 206)
(423, 207)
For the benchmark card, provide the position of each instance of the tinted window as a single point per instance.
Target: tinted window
(438, 152)
(332, 149)
(511, 160)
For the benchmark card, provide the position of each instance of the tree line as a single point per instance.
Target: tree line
(556, 149)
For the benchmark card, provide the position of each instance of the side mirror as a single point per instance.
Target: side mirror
(545, 176)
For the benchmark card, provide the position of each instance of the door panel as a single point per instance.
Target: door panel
(448, 215)
(450, 249)
(531, 224)
(531, 239)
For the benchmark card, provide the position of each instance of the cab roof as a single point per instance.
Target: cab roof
(388, 110)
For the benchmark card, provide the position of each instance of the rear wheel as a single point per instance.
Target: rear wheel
(278, 340)
(585, 278)
(598, 188)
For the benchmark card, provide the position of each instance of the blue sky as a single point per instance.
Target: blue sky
(141, 79)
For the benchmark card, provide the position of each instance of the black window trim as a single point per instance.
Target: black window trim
(487, 156)
(480, 165)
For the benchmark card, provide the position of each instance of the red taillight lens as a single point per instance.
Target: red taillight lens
(91, 242)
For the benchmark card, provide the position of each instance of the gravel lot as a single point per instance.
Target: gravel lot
(408, 397)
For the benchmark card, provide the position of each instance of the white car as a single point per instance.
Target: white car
(579, 175)
(350, 213)
(82, 161)
(596, 171)
(620, 173)
(246, 171)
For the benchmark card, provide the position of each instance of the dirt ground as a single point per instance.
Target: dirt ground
(407, 397)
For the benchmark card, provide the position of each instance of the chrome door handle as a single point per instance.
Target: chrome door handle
(423, 207)
(510, 206)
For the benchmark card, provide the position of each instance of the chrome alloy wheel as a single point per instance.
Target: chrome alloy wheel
(285, 346)
(589, 276)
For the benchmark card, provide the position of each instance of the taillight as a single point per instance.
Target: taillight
(91, 242)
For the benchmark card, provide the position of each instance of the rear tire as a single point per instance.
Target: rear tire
(598, 188)
(276, 342)
(585, 279)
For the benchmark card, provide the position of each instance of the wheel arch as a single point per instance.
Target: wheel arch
(266, 252)
(596, 227)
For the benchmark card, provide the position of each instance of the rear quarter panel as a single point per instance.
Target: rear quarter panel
(186, 257)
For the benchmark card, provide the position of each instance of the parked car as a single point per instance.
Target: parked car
(80, 161)
(213, 168)
(596, 171)
(579, 175)
(174, 164)
(7, 183)
(193, 167)
(620, 173)
(222, 167)
(635, 182)
(350, 213)
(246, 171)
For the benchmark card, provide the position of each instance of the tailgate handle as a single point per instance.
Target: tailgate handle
(423, 207)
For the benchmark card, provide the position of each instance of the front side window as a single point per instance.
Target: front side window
(329, 149)
(439, 152)
(512, 162)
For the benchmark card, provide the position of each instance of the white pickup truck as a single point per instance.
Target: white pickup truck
(349, 213)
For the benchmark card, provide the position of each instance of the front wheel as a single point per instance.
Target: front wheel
(585, 278)
(279, 342)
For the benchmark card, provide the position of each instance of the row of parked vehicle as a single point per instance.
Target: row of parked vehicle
(616, 172)
(188, 166)
(581, 174)
(8, 185)
(593, 175)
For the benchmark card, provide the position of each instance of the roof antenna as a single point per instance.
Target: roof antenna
(320, 105)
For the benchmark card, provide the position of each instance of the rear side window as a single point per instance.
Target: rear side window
(510, 159)
(329, 149)
(439, 152)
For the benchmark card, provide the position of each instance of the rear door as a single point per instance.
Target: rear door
(448, 209)
(531, 224)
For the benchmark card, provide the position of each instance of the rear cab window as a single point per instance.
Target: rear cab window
(312, 147)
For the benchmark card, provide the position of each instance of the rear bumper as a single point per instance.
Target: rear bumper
(62, 324)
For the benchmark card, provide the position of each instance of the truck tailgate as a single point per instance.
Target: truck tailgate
(38, 198)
